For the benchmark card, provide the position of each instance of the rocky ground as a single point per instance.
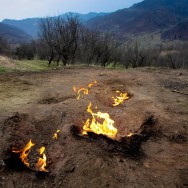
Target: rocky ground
(35, 105)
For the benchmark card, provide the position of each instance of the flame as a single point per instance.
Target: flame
(119, 99)
(41, 164)
(55, 134)
(85, 91)
(105, 128)
(74, 89)
(25, 152)
(130, 134)
(92, 83)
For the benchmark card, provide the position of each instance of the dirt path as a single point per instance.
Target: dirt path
(36, 105)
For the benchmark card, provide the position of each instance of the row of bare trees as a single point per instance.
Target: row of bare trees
(4, 46)
(68, 41)
(134, 54)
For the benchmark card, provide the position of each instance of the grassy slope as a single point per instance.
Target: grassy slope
(3, 69)
(32, 65)
(26, 65)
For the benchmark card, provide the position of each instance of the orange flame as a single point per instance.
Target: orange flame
(130, 134)
(105, 128)
(92, 83)
(41, 164)
(119, 99)
(25, 152)
(55, 134)
(84, 90)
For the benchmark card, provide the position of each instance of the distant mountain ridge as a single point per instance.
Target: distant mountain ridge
(164, 18)
(145, 17)
(31, 25)
(13, 34)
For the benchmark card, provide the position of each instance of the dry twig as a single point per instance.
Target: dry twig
(176, 91)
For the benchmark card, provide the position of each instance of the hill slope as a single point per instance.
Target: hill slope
(13, 34)
(145, 17)
(32, 102)
(30, 25)
(178, 32)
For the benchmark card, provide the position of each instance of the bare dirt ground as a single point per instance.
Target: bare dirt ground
(35, 105)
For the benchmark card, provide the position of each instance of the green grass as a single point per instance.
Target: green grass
(28, 65)
(33, 65)
(2, 69)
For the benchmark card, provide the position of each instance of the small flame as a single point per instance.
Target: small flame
(130, 134)
(119, 99)
(105, 128)
(25, 152)
(41, 164)
(55, 134)
(74, 88)
(92, 83)
(85, 91)
(41, 150)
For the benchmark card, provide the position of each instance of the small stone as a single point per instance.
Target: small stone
(179, 74)
(121, 161)
(2, 163)
(70, 168)
(60, 183)
(64, 137)
(10, 184)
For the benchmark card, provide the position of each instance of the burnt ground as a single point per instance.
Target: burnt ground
(35, 105)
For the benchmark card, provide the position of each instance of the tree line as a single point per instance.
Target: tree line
(68, 41)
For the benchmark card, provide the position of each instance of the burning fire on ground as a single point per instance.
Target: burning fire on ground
(83, 90)
(55, 136)
(101, 123)
(40, 165)
(119, 98)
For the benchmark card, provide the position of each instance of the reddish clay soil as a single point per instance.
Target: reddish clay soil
(35, 105)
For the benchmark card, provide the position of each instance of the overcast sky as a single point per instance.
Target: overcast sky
(20, 9)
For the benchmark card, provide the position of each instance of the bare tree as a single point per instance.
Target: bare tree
(66, 38)
(46, 37)
(173, 57)
(60, 36)
(133, 54)
(26, 51)
(106, 50)
(88, 45)
(5, 48)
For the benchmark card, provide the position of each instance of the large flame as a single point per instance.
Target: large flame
(41, 164)
(120, 98)
(25, 152)
(104, 127)
(85, 91)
